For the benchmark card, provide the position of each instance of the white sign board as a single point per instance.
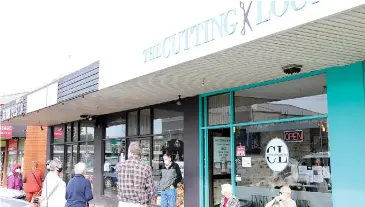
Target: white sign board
(246, 161)
(222, 149)
(277, 155)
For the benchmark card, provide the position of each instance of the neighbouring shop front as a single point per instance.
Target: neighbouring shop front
(12, 148)
(103, 142)
(289, 131)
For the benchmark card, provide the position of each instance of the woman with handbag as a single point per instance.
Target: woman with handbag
(33, 182)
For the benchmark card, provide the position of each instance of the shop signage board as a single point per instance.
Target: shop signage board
(58, 133)
(222, 149)
(6, 131)
(13, 109)
(277, 155)
(240, 151)
(242, 19)
(294, 136)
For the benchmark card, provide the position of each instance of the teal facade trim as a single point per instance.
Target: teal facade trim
(346, 123)
(201, 156)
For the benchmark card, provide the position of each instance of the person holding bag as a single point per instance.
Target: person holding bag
(33, 182)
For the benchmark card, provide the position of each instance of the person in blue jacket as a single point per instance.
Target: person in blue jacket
(78, 192)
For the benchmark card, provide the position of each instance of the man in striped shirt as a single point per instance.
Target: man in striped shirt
(135, 183)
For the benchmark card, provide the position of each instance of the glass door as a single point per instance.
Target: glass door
(219, 146)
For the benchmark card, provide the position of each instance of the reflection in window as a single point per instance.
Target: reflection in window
(68, 133)
(218, 109)
(87, 131)
(308, 167)
(145, 121)
(167, 121)
(297, 98)
(87, 156)
(115, 150)
(21, 143)
(58, 151)
(132, 123)
(115, 129)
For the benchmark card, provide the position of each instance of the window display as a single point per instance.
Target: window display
(281, 162)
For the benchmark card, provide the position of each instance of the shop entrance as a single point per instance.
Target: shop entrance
(260, 138)
(219, 162)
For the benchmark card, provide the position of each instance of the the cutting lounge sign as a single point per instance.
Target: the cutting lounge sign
(227, 23)
(277, 155)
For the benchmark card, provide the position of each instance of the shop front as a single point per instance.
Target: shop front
(263, 136)
(12, 147)
(103, 142)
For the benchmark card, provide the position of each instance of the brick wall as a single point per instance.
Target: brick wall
(35, 147)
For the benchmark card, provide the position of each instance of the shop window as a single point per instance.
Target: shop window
(58, 134)
(58, 153)
(132, 123)
(304, 162)
(71, 156)
(115, 128)
(68, 133)
(12, 154)
(145, 121)
(115, 152)
(218, 109)
(87, 156)
(87, 131)
(20, 161)
(290, 99)
(167, 121)
(75, 132)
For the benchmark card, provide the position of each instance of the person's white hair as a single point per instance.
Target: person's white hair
(80, 168)
(227, 188)
(55, 165)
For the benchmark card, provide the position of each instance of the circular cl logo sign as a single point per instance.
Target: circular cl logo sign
(277, 155)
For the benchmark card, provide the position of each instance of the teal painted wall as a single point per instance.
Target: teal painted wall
(346, 123)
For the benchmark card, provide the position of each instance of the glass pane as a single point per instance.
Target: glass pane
(12, 153)
(218, 109)
(87, 131)
(132, 123)
(58, 151)
(115, 129)
(21, 143)
(290, 99)
(58, 134)
(146, 155)
(114, 152)
(75, 132)
(69, 164)
(294, 153)
(87, 156)
(167, 121)
(68, 133)
(145, 121)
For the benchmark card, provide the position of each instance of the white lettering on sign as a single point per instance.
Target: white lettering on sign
(222, 149)
(277, 155)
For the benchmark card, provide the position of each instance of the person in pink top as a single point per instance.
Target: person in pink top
(14, 181)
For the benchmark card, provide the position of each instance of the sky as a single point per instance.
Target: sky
(41, 41)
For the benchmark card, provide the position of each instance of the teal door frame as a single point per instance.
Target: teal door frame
(204, 196)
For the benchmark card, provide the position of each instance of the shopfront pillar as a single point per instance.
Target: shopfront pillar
(346, 123)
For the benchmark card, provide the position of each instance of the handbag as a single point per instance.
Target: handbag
(38, 193)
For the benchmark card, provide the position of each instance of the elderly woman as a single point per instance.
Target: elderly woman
(33, 182)
(79, 192)
(229, 200)
(54, 189)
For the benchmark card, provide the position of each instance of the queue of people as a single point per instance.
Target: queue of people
(51, 190)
